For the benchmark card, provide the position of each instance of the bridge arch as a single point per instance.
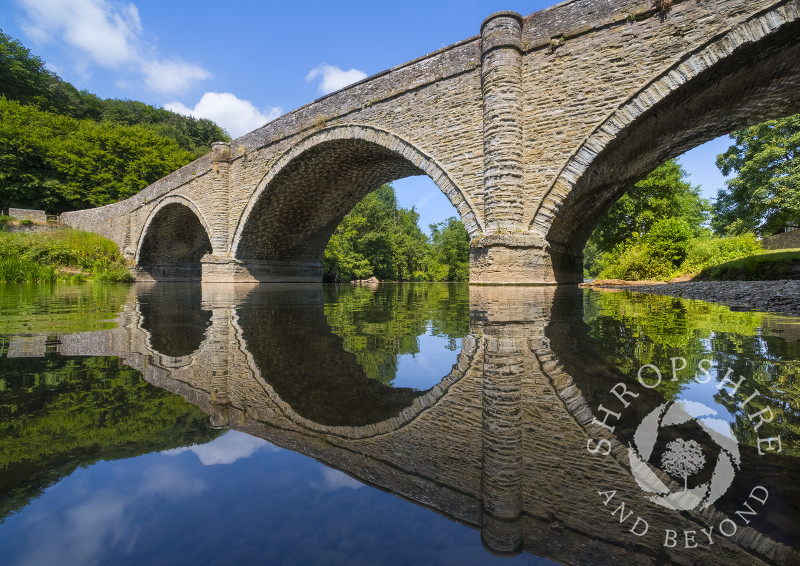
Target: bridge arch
(173, 241)
(742, 77)
(299, 202)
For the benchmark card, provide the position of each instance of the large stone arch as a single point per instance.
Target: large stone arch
(739, 78)
(297, 205)
(173, 241)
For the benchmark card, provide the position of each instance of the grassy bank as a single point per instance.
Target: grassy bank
(762, 266)
(62, 254)
(664, 255)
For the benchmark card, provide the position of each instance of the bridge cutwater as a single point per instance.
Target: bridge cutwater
(532, 129)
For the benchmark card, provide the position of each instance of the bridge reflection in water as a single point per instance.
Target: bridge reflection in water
(499, 444)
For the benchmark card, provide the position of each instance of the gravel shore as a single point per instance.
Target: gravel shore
(774, 296)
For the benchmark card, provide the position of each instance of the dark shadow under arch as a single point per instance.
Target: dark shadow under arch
(302, 199)
(174, 244)
(173, 318)
(296, 353)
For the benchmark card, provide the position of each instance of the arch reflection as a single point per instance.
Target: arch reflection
(173, 320)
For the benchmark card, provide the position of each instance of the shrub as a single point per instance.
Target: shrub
(708, 251)
(656, 255)
(763, 266)
(63, 255)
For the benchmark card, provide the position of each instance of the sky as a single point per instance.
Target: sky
(245, 63)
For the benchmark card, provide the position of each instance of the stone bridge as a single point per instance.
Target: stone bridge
(499, 444)
(532, 130)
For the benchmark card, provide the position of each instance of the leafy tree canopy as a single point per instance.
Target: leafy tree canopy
(62, 149)
(378, 238)
(645, 233)
(764, 197)
(57, 163)
(664, 193)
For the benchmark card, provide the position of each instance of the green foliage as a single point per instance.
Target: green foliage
(24, 78)
(764, 266)
(59, 255)
(664, 193)
(764, 196)
(378, 238)
(668, 251)
(378, 325)
(64, 149)
(60, 413)
(656, 231)
(54, 309)
(57, 163)
(709, 250)
(633, 329)
(449, 251)
(656, 255)
(619, 246)
(192, 134)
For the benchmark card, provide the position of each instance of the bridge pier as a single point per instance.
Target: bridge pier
(220, 268)
(508, 253)
(516, 259)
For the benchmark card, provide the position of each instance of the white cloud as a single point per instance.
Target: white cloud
(172, 75)
(106, 33)
(334, 78)
(235, 115)
(81, 534)
(226, 449)
(334, 480)
(168, 481)
(109, 34)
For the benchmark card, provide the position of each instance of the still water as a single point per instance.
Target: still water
(394, 424)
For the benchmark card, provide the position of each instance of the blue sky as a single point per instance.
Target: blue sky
(244, 63)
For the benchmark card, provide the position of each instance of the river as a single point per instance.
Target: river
(393, 424)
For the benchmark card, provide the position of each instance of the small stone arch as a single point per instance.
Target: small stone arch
(743, 76)
(355, 159)
(173, 241)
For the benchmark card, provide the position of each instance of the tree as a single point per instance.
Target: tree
(58, 163)
(663, 195)
(764, 197)
(24, 78)
(683, 458)
(379, 238)
(376, 238)
(450, 251)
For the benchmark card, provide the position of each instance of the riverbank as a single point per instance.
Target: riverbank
(40, 253)
(773, 296)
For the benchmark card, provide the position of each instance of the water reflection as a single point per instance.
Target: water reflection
(521, 439)
(173, 318)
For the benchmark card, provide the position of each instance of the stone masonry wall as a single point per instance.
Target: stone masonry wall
(786, 240)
